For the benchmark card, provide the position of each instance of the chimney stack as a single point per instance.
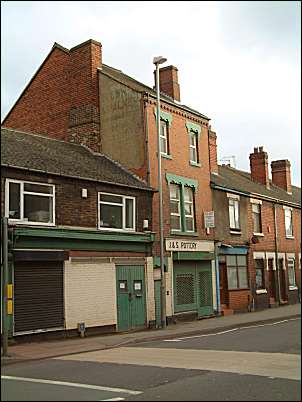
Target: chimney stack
(281, 175)
(259, 166)
(168, 82)
(213, 151)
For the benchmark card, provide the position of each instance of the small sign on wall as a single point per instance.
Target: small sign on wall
(209, 219)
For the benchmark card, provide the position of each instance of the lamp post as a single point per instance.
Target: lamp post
(157, 61)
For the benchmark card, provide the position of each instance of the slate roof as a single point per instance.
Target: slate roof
(238, 180)
(126, 79)
(38, 153)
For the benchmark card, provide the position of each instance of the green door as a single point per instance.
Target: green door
(131, 296)
(192, 282)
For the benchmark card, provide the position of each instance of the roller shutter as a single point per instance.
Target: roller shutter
(38, 296)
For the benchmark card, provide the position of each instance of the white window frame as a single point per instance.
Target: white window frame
(291, 266)
(194, 147)
(192, 209)
(163, 123)
(178, 204)
(258, 205)
(286, 211)
(22, 220)
(123, 205)
(236, 202)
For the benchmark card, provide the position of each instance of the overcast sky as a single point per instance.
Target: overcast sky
(239, 62)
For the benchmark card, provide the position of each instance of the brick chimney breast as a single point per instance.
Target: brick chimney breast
(168, 82)
(213, 151)
(259, 166)
(281, 174)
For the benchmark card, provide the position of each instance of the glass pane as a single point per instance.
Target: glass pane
(188, 194)
(231, 260)
(232, 278)
(188, 209)
(242, 274)
(192, 139)
(174, 191)
(241, 260)
(111, 198)
(129, 214)
(257, 225)
(291, 273)
(174, 207)
(163, 129)
(288, 223)
(175, 222)
(163, 145)
(111, 216)
(236, 205)
(14, 200)
(259, 278)
(38, 209)
(193, 155)
(232, 216)
(190, 224)
(37, 188)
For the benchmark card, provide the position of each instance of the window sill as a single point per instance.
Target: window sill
(116, 230)
(166, 156)
(258, 234)
(196, 164)
(235, 232)
(16, 222)
(290, 237)
(293, 288)
(195, 234)
(261, 291)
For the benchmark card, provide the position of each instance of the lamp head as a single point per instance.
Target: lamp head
(159, 60)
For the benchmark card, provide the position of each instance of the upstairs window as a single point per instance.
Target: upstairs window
(234, 214)
(194, 157)
(30, 202)
(164, 143)
(256, 211)
(288, 222)
(182, 216)
(116, 212)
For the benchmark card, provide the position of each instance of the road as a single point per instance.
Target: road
(256, 363)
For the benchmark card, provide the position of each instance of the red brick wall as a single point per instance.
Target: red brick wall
(61, 101)
(259, 166)
(239, 299)
(180, 165)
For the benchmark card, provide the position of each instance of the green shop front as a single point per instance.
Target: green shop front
(64, 278)
(193, 280)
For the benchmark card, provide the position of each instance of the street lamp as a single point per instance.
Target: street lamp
(157, 61)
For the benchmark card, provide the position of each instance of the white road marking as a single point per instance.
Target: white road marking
(280, 365)
(113, 399)
(230, 330)
(71, 384)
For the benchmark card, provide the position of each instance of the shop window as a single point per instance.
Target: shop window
(237, 271)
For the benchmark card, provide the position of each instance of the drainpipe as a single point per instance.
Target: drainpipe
(277, 282)
(217, 244)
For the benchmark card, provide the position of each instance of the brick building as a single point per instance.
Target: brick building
(75, 97)
(258, 229)
(76, 219)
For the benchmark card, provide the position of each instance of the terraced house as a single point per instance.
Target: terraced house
(79, 248)
(75, 97)
(258, 229)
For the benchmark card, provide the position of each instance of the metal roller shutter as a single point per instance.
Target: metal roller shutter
(38, 295)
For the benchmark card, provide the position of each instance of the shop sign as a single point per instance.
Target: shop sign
(189, 245)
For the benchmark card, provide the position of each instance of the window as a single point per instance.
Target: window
(291, 273)
(29, 202)
(175, 218)
(288, 222)
(164, 144)
(182, 217)
(259, 268)
(116, 212)
(256, 210)
(194, 157)
(237, 271)
(234, 213)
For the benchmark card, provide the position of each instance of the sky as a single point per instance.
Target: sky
(239, 62)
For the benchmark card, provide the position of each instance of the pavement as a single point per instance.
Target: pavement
(30, 351)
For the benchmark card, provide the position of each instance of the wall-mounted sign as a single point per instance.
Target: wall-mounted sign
(209, 219)
(189, 245)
